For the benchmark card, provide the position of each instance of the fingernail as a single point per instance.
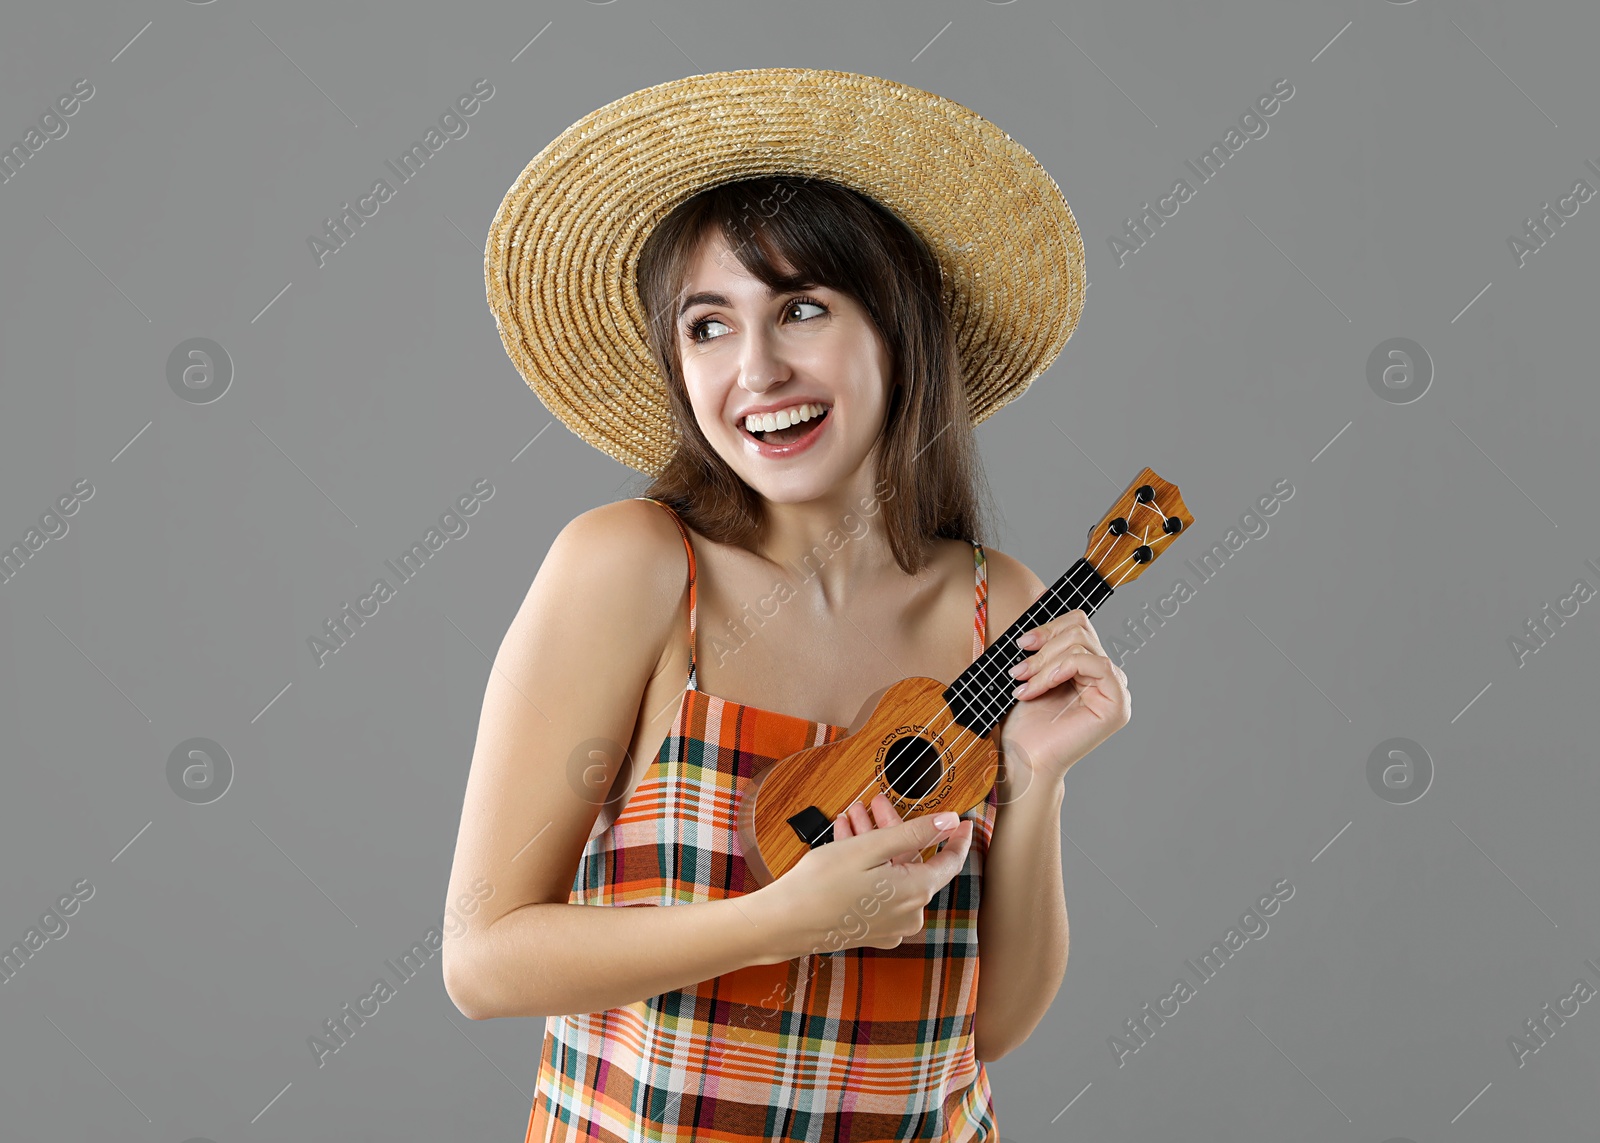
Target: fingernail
(1016, 670)
(945, 820)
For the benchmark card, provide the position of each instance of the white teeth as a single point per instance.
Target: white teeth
(783, 418)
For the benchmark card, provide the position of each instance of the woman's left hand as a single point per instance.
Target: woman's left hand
(1073, 697)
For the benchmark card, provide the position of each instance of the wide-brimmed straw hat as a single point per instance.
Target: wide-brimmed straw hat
(560, 259)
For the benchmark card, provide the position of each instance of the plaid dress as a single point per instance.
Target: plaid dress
(860, 1044)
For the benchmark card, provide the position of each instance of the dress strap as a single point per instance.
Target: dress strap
(688, 547)
(980, 619)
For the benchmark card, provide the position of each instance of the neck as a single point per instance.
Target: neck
(830, 549)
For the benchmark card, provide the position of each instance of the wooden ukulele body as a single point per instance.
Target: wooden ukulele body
(909, 747)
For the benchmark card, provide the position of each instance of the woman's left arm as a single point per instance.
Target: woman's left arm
(1022, 918)
(1071, 697)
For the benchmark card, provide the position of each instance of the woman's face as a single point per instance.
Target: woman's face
(745, 350)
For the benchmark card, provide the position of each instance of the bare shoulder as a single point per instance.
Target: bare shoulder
(602, 606)
(630, 552)
(638, 532)
(1013, 587)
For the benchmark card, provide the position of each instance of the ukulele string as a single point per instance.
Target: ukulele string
(991, 708)
(1074, 588)
(988, 709)
(1144, 540)
(976, 738)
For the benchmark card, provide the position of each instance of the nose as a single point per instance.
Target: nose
(761, 366)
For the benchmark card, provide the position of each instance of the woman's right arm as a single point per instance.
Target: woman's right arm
(573, 667)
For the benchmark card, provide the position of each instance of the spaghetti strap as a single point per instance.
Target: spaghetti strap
(688, 547)
(980, 619)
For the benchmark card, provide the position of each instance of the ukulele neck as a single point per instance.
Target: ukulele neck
(981, 695)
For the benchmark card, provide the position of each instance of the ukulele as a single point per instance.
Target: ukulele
(925, 744)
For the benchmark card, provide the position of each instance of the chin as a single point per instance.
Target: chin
(795, 488)
(792, 485)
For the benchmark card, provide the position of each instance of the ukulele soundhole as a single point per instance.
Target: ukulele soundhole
(912, 768)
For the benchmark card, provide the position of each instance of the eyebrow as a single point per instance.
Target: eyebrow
(714, 299)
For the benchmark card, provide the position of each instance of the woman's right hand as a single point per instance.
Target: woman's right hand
(865, 889)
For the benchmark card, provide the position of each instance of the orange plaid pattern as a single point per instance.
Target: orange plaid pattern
(861, 1044)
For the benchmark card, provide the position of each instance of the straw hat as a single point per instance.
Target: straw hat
(559, 263)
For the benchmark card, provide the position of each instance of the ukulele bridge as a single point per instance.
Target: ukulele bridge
(812, 826)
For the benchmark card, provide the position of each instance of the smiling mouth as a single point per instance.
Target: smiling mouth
(788, 435)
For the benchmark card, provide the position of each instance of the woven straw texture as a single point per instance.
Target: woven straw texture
(563, 248)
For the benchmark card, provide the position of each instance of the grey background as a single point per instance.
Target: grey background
(373, 391)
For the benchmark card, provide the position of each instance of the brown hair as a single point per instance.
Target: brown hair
(930, 475)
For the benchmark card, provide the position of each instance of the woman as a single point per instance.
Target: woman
(774, 575)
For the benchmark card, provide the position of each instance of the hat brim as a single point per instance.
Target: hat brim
(563, 247)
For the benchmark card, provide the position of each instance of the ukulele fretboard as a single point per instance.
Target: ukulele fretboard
(981, 695)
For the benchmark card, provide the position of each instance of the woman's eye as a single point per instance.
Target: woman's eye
(813, 305)
(694, 328)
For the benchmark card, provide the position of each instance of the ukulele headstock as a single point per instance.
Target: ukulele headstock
(1142, 524)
